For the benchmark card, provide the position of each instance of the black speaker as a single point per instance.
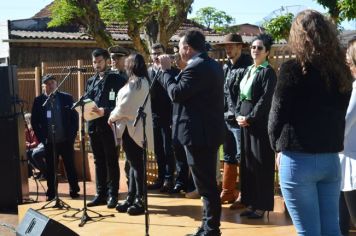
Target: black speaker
(36, 224)
(13, 161)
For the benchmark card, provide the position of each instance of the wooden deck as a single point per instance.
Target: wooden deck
(169, 215)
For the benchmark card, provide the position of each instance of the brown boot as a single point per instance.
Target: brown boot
(229, 192)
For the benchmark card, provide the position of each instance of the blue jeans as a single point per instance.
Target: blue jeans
(231, 146)
(310, 186)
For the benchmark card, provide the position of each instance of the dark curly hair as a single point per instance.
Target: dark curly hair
(266, 39)
(313, 39)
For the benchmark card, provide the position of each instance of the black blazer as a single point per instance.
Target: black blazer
(112, 82)
(231, 73)
(262, 92)
(69, 117)
(199, 94)
(161, 104)
(305, 115)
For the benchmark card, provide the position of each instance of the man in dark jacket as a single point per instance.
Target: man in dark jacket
(104, 86)
(118, 56)
(56, 124)
(199, 124)
(162, 119)
(236, 62)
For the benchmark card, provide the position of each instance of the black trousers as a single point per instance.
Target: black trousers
(202, 162)
(66, 150)
(134, 156)
(347, 211)
(184, 177)
(107, 170)
(163, 150)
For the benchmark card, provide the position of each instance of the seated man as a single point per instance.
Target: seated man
(35, 150)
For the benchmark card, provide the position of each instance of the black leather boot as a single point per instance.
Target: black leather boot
(97, 201)
(137, 207)
(124, 205)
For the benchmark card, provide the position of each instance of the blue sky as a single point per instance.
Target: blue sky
(244, 11)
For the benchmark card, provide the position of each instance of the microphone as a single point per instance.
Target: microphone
(77, 69)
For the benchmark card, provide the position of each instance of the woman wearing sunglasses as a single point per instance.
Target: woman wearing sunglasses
(307, 121)
(255, 88)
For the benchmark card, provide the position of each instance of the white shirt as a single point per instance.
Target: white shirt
(348, 156)
(193, 58)
(128, 100)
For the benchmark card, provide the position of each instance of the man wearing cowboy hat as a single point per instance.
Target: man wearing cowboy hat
(236, 62)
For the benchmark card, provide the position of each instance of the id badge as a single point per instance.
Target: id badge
(49, 114)
(112, 95)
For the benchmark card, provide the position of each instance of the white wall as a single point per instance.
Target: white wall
(4, 46)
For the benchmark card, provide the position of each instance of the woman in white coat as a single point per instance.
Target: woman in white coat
(128, 100)
(348, 156)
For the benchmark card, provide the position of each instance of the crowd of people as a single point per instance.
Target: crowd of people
(303, 122)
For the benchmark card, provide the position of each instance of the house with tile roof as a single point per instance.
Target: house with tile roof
(27, 42)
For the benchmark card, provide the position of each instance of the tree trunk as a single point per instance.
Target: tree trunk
(93, 23)
(133, 31)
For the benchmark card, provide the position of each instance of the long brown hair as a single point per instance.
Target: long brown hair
(313, 39)
(136, 68)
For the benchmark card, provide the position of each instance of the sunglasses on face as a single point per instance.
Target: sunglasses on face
(259, 48)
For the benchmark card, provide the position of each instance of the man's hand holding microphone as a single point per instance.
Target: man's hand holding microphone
(165, 62)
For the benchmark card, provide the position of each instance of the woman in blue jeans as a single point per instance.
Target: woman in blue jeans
(306, 124)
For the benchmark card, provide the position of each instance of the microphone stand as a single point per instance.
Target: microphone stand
(60, 204)
(142, 115)
(85, 217)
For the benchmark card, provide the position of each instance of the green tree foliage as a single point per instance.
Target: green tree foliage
(340, 10)
(82, 12)
(158, 19)
(279, 26)
(213, 19)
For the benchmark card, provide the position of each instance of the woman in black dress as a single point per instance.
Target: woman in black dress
(255, 88)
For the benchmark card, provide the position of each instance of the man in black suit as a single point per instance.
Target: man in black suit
(106, 85)
(65, 123)
(162, 119)
(199, 124)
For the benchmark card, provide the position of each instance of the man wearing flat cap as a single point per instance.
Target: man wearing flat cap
(118, 55)
(237, 62)
(56, 117)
